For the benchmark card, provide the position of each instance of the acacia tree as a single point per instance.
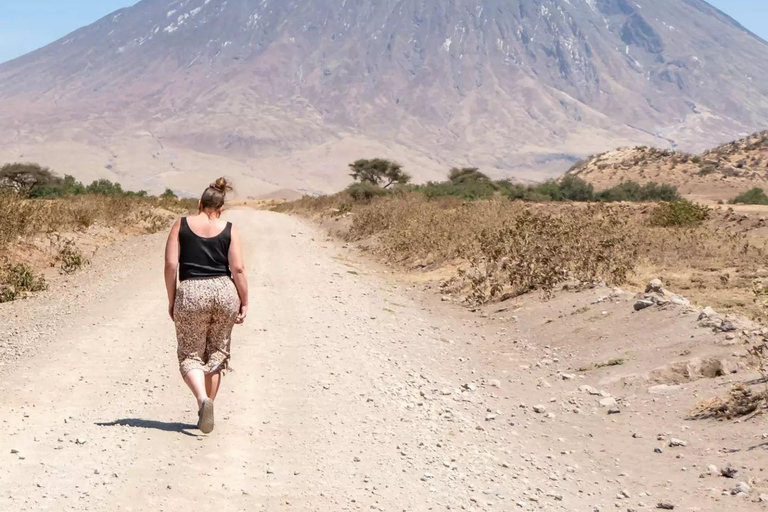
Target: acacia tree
(379, 172)
(24, 178)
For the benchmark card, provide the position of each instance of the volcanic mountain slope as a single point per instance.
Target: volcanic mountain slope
(718, 174)
(284, 94)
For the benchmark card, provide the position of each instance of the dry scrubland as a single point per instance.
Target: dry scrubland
(60, 233)
(496, 249)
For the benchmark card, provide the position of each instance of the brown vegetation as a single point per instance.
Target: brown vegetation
(500, 248)
(27, 219)
(741, 401)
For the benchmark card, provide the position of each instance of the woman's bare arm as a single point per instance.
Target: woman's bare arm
(237, 266)
(172, 264)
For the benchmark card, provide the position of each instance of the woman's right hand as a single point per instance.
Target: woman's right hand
(242, 314)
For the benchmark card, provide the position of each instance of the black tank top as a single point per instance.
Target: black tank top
(203, 258)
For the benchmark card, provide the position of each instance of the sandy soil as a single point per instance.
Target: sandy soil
(356, 390)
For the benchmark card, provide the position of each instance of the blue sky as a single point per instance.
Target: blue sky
(26, 25)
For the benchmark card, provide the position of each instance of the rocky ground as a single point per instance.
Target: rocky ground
(356, 390)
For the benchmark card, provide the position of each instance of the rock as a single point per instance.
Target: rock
(623, 495)
(763, 498)
(539, 409)
(469, 386)
(14, 451)
(567, 376)
(677, 300)
(712, 469)
(80, 441)
(729, 471)
(614, 410)
(655, 286)
(643, 304)
(665, 506)
(590, 390)
(741, 488)
(609, 402)
(270, 471)
(663, 389)
(675, 443)
(495, 383)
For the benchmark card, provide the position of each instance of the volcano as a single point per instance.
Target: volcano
(284, 94)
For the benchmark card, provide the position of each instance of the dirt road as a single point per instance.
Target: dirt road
(350, 392)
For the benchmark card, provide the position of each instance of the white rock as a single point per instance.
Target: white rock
(663, 389)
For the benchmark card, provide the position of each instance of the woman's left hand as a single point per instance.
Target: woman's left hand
(241, 315)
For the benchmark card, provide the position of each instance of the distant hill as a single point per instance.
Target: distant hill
(283, 94)
(717, 174)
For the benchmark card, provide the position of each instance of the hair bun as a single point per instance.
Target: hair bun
(222, 185)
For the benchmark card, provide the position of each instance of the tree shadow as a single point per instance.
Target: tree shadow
(181, 428)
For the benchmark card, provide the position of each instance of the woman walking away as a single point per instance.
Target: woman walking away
(212, 295)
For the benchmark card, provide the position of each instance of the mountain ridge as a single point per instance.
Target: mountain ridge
(285, 94)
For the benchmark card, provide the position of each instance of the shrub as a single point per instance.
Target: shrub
(465, 174)
(364, 191)
(680, 213)
(69, 258)
(17, 280)
(465, 189)
(105, 188)
(549, 189)
(634, 192)
(537, 251)
(754, 196)
(168, 194)
(573, 188)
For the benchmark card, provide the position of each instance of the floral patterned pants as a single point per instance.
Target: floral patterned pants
(204, 312)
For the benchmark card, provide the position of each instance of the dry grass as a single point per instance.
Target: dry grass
(24, 218)
(28, 219)
(502, 248)
(741, 402)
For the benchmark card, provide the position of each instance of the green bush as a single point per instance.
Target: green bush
(573, 188)
(465, 174)
(168, 194)
(753, 196)
(681, 213)
(634, 192)
(105, 188)
(466, 189)
(364, 191)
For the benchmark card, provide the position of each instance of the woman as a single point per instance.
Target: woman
(212, 295)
